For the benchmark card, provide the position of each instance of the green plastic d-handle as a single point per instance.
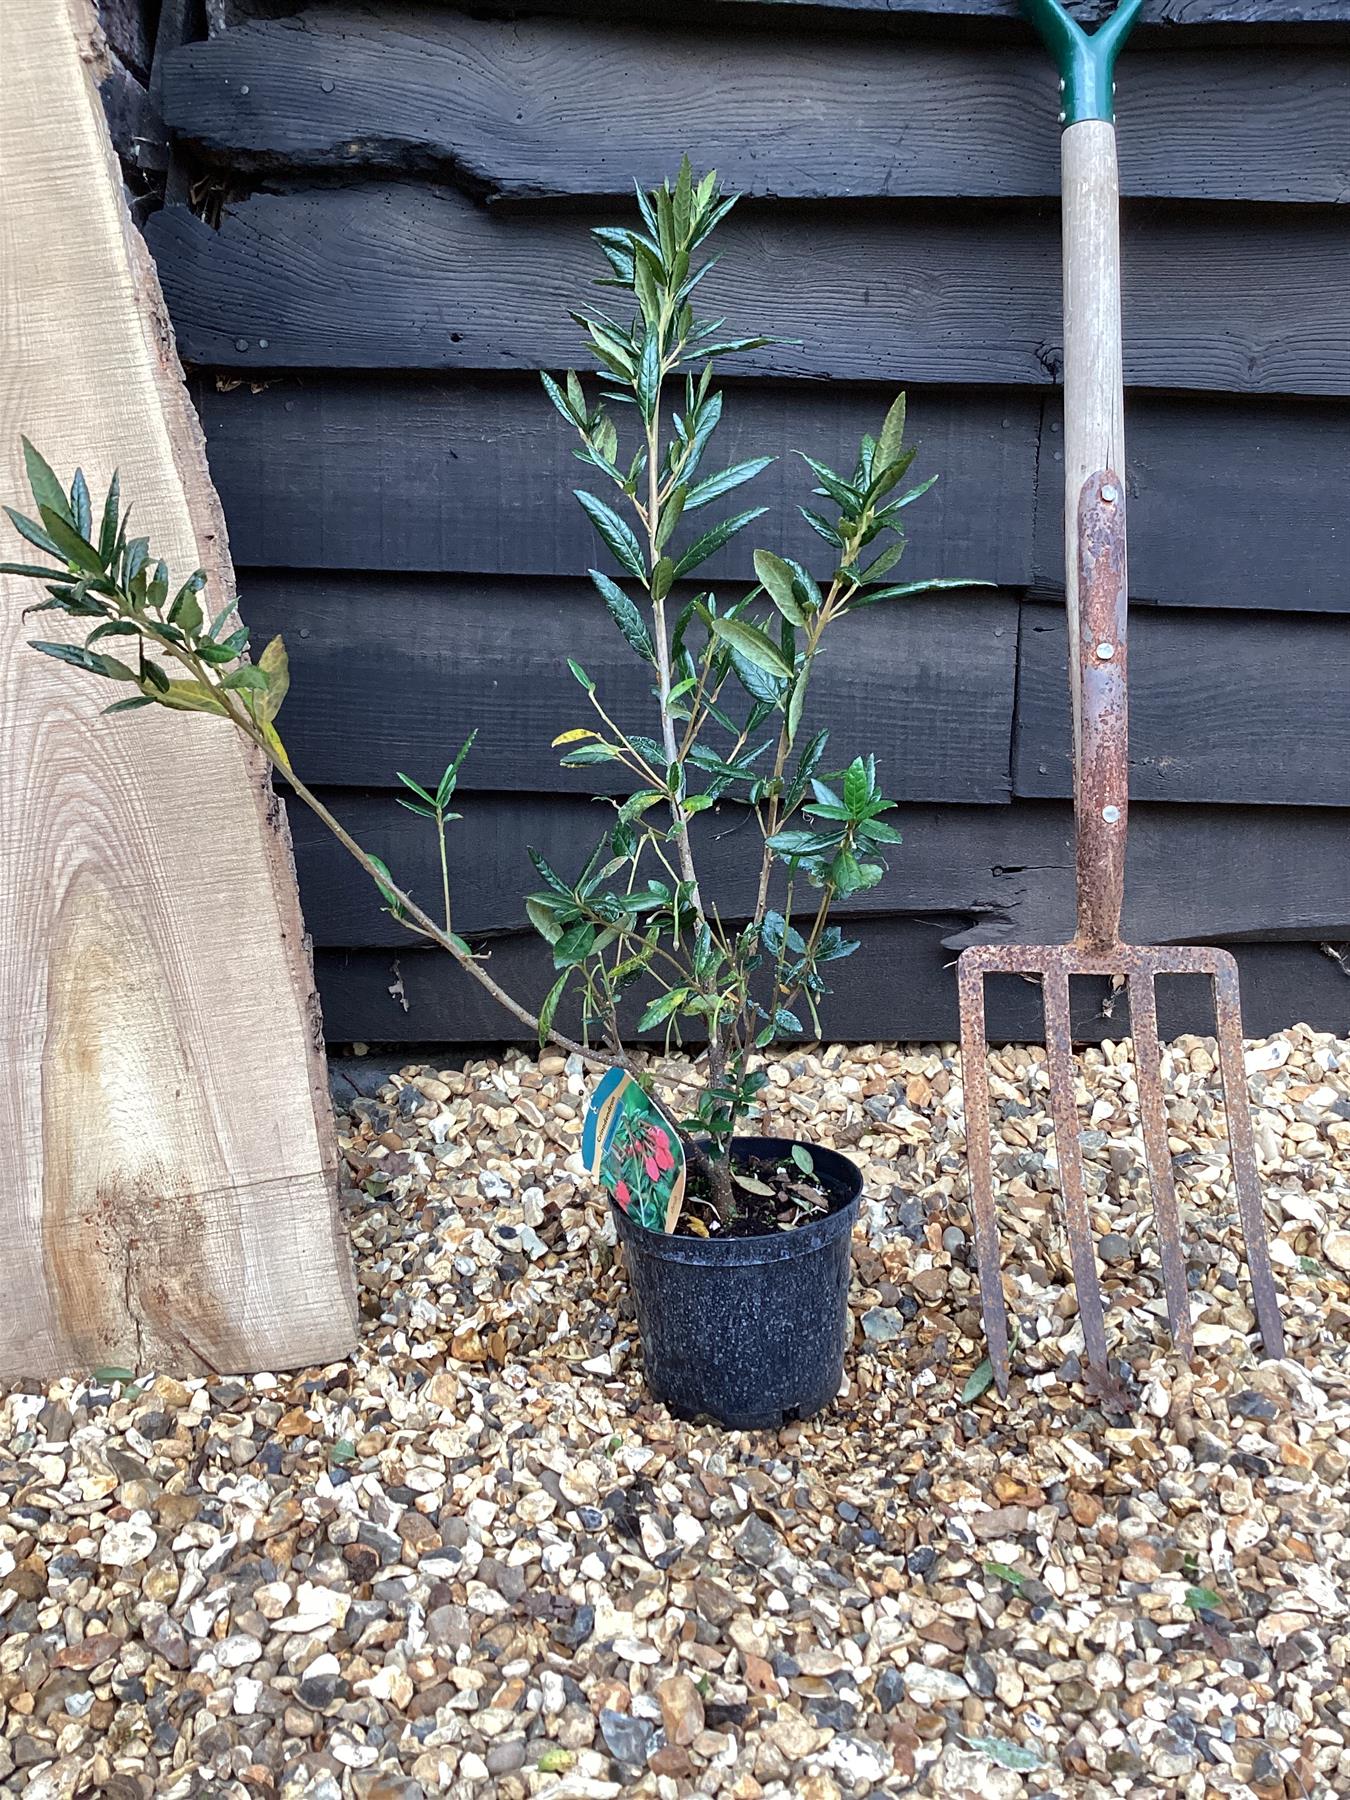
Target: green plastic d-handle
(1086, 63)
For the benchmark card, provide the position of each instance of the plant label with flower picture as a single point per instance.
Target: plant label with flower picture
(632, 1152)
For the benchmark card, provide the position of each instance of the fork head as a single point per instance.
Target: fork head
(1139, 965)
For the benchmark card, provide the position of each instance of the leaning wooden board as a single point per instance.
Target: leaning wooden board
(168, 1186)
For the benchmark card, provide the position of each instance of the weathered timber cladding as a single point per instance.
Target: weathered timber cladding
(403, 231)
(409, 276)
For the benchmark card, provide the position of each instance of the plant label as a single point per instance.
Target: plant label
(632, 1152)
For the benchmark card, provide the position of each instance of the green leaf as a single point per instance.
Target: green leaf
(543, 918)
(754, 645)
(186, 611)
(649, 374)
(717, 485)
(35, 572)
(384, 881)
(704, 547)
(107, 535)
(560, 400)
(575, 945)
(1007, 1754)
(76, 655)
(46, 489)
(892, 435)
(803, 1159)
(1203, 1599)
(550, 1006)
(981, 1378)
(776, 579)
(908, 588)
(580, 675)
(33, 534)
(547, 873)
(79, 504)
(662, 1007)
(625, 615)
(247, 678)
(343, 1451)
(617, 535)
(857, 788)
(131, 705)
(70, 544)
(111, 1372)
(999, 1571)
(797, 702)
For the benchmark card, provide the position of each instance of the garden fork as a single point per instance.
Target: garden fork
(1095, 580)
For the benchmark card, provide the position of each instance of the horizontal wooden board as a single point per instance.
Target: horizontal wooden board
(477, 475)
(899, 985)
(389, 672)
(531, 108)
(1223, 707)
(1162, 22)
(415, 277)
(1229, 503)
(1195, 873)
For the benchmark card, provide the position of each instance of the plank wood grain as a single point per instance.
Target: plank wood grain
(1228, 503)
(1195, 874)
(387, 674)
(416, 277)
(1162, 20)
(528, 108)
(1225, 707)
(901, 980)
(476, 476)
(169, 1188)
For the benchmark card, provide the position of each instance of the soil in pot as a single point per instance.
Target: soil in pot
(748, 1327)
(773, 1193)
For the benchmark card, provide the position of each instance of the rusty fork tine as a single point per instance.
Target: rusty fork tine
(1242, 1148)
(1064, 1112)
(979, 1157)
(1162, 1189)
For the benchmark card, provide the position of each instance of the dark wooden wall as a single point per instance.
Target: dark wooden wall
(389, 223)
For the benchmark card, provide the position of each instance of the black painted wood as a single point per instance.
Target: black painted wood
(901, 979)
(1229, 503)
(1163, 22)
(477, 475)
(414, 277)
(389, 673)
(1196, 874)
(531, 108)
(1223, 707)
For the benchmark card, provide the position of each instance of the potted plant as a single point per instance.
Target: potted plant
(742, 1307)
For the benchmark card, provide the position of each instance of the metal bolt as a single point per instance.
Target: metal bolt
(1110, 495)
(1105, 652)
(326, 86)
(1061, 117)
(244, 88)
(1111, 814)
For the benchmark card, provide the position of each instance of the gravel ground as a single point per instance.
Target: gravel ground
(475, 1560)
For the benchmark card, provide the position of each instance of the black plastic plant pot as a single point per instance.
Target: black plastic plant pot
(749, 1331)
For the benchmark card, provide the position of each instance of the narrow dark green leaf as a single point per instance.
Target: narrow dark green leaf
(907, 589)
(550, 1006)
(625, 615)
(615, 532)
(46, 489)
(717, 485)
(981, 1378)
(107, 535)
(754, 645)
(892, 435)
(776, 578)
(703, 547)
(79, 504)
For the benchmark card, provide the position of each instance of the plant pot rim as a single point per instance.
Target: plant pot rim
(764, 1247)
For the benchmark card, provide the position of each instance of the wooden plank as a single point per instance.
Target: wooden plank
(1195, 873)
(1223, 707)
(1163, 22)
(414, 277)
(1228, 503)
(531, 108)
(168, 1190)
(477, 475)
(389, 672)
(899, 986)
